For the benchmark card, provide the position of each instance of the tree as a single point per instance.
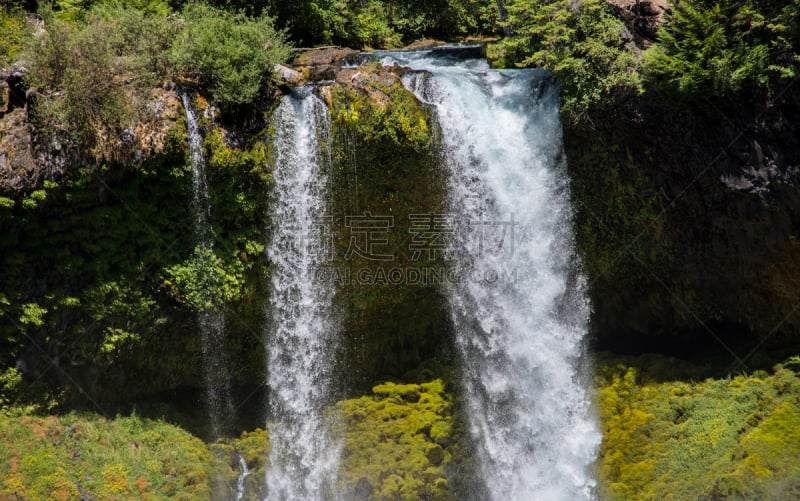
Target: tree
(725, 47)
(581, 42)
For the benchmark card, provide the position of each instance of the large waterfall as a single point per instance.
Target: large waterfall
(517, 300)
(518, 307)
(303, 460)
(211, 318)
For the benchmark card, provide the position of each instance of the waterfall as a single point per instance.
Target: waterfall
(211, 318)
(303, 460)
(240, 485)
(518, 307)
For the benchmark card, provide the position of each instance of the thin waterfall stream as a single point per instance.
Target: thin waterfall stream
(211, 318)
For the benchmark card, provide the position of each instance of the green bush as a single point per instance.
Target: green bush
(92, 67)
(58, 458)
(716, 439)
(382, 23)
(80, 79)
(581, 42)
(399, 440)
(228, 53)
(726, 47)
(90, 75)
(77, 10)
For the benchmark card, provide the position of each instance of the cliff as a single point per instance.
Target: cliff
(687, 214)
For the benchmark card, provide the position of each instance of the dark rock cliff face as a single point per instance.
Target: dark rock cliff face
(688, 215)
(386, 171)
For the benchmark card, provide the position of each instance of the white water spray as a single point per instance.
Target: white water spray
(240, 485)
(303, 461)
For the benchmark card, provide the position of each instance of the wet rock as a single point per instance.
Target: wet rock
(371, 83)
(714, 255)
(322, 64)
(423, 44)
(363, 489)
(324, 56)
(12, 88)
(18, 168)
(5, 95)
(642, 18)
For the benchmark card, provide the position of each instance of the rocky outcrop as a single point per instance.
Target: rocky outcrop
(147, 137)
(12, 88)
(323, 63)
(288, 76)
(18, 167)
(26, 159)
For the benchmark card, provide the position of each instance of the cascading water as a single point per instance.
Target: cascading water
(211, 318)
(519, 308)
(303, 460)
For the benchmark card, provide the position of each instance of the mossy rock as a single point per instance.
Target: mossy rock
(388, 444)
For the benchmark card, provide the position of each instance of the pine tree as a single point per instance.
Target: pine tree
(724, 47)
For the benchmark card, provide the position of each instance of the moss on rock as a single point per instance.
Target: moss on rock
(390, 445)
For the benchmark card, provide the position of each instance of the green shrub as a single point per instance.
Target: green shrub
(382, 23)
(230, 54)
(204, 281)
(124, 458)
(77, 10)
(717, 439)
(399, 440)
(92, 69)
(82, 73)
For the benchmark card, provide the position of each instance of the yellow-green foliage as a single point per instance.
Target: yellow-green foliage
(236, 161)
(14, 30)
(398, 440)
(55, 458)
(733, 438)
(383, 111)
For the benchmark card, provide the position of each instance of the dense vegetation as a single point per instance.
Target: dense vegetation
(91, 67)
(729, 47)
(731, 438)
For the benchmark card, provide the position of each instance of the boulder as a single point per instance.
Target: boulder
(5, 96)
(323, 63)
(18, 168)
(289, 76)
(363, 489)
